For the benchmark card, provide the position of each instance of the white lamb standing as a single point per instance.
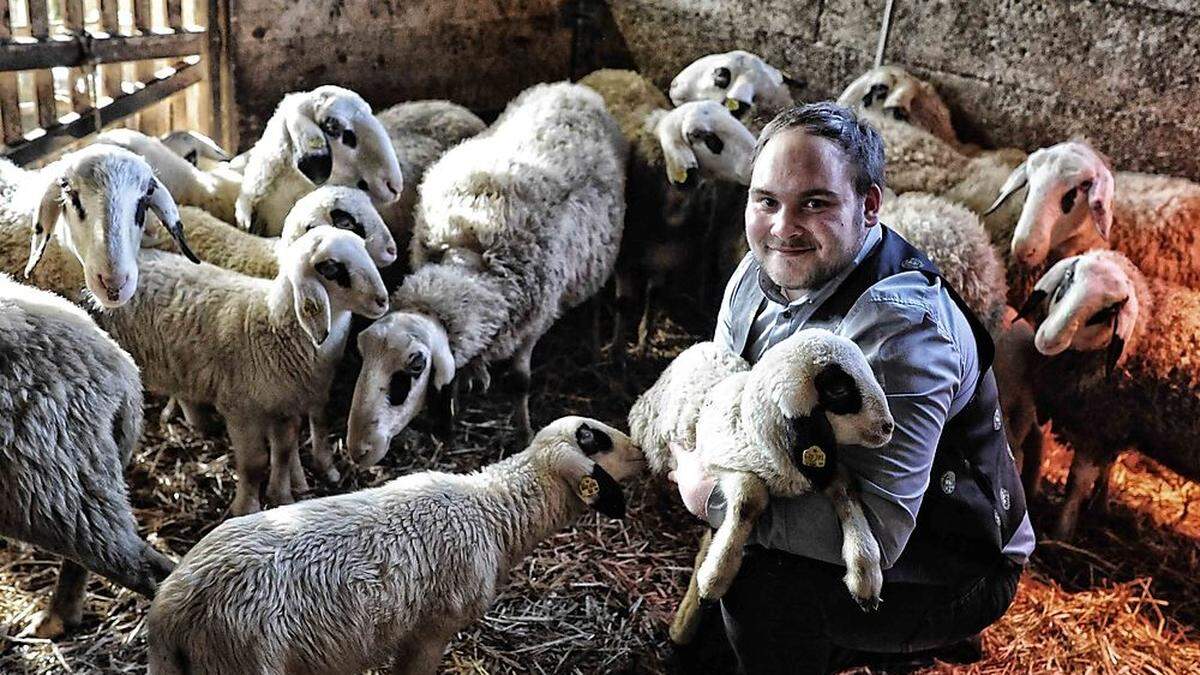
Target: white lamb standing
(70, 418)
(341, 584)
(758, 428)
(752, 89)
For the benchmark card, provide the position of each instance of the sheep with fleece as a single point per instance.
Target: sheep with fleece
(670, 150)
(261, 351)
(752, 89)
(70, 418)
(92, 203)
(513, 227)
(346, 583)
(896, 93)
(1124, 344)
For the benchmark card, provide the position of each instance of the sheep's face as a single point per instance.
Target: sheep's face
(102, 194)
(346, 209)
(593, 458)
(703, 138)
(834, 379)
(898, 94)
(331, 271)
(1085, 303)
(1070, 185)
(403, 353)
(739, 80)
(196, 148)
(361, 152)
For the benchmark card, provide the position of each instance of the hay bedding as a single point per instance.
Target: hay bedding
(597, 597)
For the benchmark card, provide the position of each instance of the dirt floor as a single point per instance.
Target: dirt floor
(597, 597)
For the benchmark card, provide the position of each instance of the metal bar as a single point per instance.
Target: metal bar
(175, 14)
(884, 30)
(39, 27)
(10, 95)
(55, 53)
(65, 134)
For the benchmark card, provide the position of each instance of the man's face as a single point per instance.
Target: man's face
(804, 221)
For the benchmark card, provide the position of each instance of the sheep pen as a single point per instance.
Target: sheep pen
(598, 597)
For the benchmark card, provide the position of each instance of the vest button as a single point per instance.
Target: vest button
(911, 264)
(948, 481)
(998, 525)
(1005, 499)
(997, 420)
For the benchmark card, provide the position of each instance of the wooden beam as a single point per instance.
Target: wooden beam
(39, 27)
(112, 74)
(77, 77)
(68, 52)
(10, 94)
(61, 135)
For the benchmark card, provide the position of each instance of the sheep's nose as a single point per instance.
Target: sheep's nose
(113, 284)
(381, 301)
(886, 428)
(391, 250)
(391, 188)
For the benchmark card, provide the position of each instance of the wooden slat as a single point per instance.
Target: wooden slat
(59, 136)
(76, 78)
(39, 27)
(10, 95)
(54, 53)
(220, 75)
(110, 75)
(175, 14)
(143, 16)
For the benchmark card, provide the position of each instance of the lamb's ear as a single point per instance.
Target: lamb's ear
(49, 209)
(443, 358)
(163, 205)
(837, 391)
(312, 309)
(591, 483)
(310, 148)
(1100, 197)
(682, 166)
(1116, 346)
(1035, 299)
(1015, 181)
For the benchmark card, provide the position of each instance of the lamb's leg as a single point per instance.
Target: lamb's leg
(1085, 468)
(201, 419)
(1098, 505)
(687, 617)
(522, 374)
(746, 496)
(247, 437)
(283, 436)
(322, 450)
(860, 550)
(66, 605)
(420, 656)
(643, 334)
(622, 308)
(1032, 449)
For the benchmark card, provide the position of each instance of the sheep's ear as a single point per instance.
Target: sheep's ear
(1100, 197)
(163, 205)
(443, 361)
(1035, 299)
(682, 166)
(837, 391)
(310, 148)
(312, 309)
(1015, 181)
(49, 209)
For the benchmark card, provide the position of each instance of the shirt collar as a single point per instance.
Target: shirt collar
(771, 290)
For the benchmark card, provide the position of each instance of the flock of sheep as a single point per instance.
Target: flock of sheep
(432, 247)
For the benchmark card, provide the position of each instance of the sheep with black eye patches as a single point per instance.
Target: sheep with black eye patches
(263, 352)
(197, 149)
(753, 90)
(1119, 370)
(896, 93)
(85, 214)
(670, 152)
(514, 227)
(347, 583)
(70, 417)
(768, 430)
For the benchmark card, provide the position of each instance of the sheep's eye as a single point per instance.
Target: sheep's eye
(362, 185)
(349, 138)
(344, 221)
(1068, 201)
(331, 126)
(878, 91)
(334, 271)
(711, 141)
(75, 202)
(416, 363)
(398, 388)
(1105, 315)
(900, 114)
(722, 77)
(592, 441)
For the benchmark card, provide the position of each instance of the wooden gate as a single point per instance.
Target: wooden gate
(69, 67)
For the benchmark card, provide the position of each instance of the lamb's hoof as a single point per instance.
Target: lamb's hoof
(47, 625)
(868, 605)
(282, 499)
(865, 582)
(477, 377)
(711, 585)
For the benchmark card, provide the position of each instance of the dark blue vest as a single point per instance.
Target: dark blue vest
(974, 502)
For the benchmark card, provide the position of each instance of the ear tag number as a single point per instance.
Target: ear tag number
(814, 457)
(589, 488)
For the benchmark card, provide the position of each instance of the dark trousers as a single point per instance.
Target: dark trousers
(788, 614)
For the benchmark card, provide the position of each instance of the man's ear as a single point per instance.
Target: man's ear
(872, 202)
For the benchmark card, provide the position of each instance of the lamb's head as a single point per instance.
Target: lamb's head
(822, 384)
(330, 271)
(346, 209)
(101, 194)
(1086, 303)
(1069, 184)
(196, 148)
(703, 138)
(738, 79)
(592, 458)
(402, 354)
(902, 96)
(335, 138)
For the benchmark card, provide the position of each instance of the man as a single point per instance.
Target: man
(943, 497)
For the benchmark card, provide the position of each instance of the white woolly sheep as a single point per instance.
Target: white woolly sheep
(1122, 344)
(514, 227)
(894, 92)
(199, 150)
(670, 150)
(261, 351)
(748, 86)
(1074, 203)
(70, 418)
(769, 430)
(101, 195)
(346, 583)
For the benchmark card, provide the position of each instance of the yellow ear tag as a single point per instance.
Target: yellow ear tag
(814, 457)
(732, 104)
(589, 488)
(677, 174)
(315, 143)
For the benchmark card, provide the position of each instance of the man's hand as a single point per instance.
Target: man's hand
(694, 481)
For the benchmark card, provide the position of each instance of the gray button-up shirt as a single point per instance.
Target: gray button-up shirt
(921, 350)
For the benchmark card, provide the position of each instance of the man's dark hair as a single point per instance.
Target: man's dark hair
(861, 143)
